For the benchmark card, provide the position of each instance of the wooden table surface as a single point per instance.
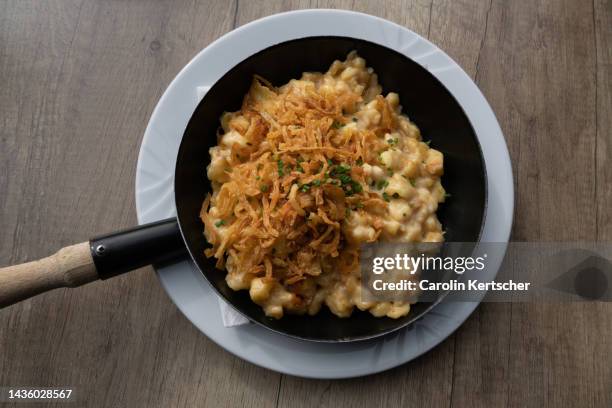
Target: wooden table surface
(79, 80)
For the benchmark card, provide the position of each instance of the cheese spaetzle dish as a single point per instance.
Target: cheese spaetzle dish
(302, 175)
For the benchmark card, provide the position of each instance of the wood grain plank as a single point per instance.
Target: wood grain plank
(414, 14)
(543, 54)
(603, 36)
(482, 342)
(83, 80)
(599, 322)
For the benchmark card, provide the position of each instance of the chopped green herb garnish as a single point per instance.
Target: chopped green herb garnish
(352, 188)
(360, 161)
(382, 184)
(341, 169)
(305, 188)
(412, 182)
(337, 125)
(219, 223)
(359, 205)
(393, 142)
(279, 162)
(389, 171)
(330, 162)
(263, 188)
(344, 178)
(447, 195)
(316, 183)
(428, 142)
(300, 159)
(257, 178)
(386, 197)
(299, 168)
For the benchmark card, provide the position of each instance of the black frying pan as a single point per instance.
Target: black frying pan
(424, 99)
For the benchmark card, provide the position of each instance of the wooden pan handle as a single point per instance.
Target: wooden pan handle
(69, 267)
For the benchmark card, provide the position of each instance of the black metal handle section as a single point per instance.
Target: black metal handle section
(127, 250)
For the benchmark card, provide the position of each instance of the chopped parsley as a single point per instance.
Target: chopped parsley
(360, 161)
(316, 183)
(386, 197)
(344, 178)
(428, 142)
(341, 169)
(382, 184)
(393, 142)
(358, 188)
(337, 125)
(341, 175)
(219, 223)
(257, 178)
(280, 164)
(263, 188)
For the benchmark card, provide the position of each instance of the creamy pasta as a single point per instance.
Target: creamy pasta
(302, 175)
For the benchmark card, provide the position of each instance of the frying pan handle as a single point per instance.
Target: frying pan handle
(100, 258)
(123, 251)
(69, 267)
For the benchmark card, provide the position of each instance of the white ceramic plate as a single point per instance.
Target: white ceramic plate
(188, 288)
